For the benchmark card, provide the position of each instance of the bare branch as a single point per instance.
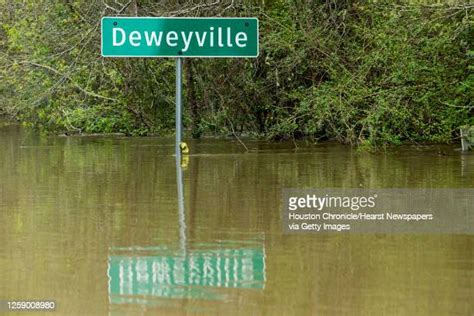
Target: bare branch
(110, 7)
(90, 93)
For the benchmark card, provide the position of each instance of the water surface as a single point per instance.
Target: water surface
(95, 223)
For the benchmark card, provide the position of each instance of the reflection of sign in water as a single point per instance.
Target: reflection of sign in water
(185, 276)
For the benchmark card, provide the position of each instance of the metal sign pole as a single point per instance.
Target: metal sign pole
(178, 102)
(179, 170)
(181, 209)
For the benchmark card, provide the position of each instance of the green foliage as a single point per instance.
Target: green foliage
(367, 73)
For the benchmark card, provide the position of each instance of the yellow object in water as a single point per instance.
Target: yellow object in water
(184, 162)
(184, 148)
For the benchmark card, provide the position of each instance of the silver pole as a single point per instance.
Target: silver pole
(181, 209)
(179, 171)
(178, 102)
(464, 142)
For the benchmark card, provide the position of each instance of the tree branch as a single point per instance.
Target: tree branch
(87, 92)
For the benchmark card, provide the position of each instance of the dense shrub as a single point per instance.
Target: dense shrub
(362, 72)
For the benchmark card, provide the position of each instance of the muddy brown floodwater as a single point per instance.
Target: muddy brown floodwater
(95, 224)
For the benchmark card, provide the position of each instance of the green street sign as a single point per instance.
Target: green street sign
(179, 37)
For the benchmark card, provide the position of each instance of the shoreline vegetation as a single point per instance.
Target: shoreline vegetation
(250, 144)
(368, 73)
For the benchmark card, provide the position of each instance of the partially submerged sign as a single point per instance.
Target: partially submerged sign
(179, 37)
